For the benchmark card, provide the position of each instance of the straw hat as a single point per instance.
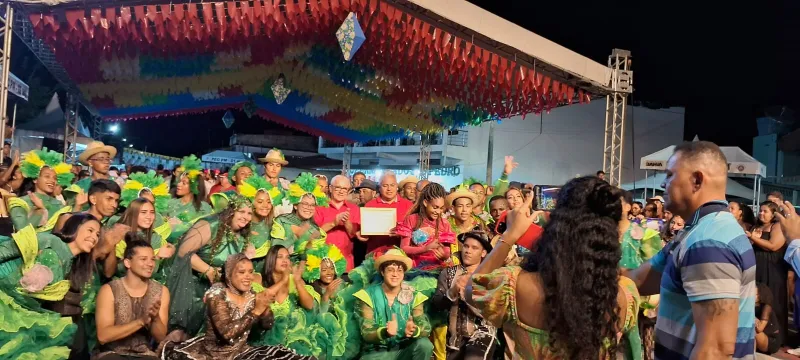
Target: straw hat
(96, 147)
(393, 255)
(408, 180)
(274, 156)
(656, 198)
(461, 192)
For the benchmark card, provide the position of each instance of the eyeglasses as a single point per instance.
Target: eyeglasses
(103, 159)
(340, 188)
(307, 205)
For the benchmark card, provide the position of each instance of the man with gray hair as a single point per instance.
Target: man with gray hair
(387, 198)
(340, 219)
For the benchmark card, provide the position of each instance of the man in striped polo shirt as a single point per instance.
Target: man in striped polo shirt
(707, 273)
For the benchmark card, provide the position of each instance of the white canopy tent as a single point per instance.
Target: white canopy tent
(740, 163)
(225, 157)
(654, 182)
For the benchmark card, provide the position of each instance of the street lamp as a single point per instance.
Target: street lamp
(124, 139)
(130, 145)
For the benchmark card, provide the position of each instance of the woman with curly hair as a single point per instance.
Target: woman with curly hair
(567, 300)
(202, 252)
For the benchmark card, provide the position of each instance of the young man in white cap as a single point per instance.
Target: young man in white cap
(273, 164)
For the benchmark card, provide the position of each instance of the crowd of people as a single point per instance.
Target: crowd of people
(143, 264)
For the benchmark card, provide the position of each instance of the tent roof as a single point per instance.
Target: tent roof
(51, 120)
(739, 162)
(732, 187)
(225, 156)
(424, 65)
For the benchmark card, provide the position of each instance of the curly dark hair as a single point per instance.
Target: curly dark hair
(577, 259)
(225, 217)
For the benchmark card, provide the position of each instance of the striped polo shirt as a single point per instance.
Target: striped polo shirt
(710, 259)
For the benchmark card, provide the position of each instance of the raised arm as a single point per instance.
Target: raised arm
(717, 321)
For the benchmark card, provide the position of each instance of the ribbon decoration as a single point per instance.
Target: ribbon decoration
(156, 60)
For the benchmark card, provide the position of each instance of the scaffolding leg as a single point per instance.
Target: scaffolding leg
(347, 159)
(71, 130)
(424, 157)
(5, 64)
(616, 103)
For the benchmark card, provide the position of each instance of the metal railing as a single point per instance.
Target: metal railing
(458, 137)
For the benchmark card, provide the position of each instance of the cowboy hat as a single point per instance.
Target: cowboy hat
(393, 255)
(408, 180)
(94, 148)
(656, 198)
(461, 192)
(478, 236)
(274, 156)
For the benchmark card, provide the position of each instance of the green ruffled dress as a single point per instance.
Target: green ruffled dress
(638, 245)
(186, 286)
(310, 333)
(283, 234)
(261, 240)
(21, 212)
(27, 331)
(187, 214)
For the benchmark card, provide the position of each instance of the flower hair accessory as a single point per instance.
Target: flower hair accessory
(252, 185)
(192, 168)
(318, 254)
(237, 202)
(306, 184)
(33, 162)
(139, 182)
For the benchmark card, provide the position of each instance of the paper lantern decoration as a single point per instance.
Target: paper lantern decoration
(228, 119)
(350, 36)
(279, 90)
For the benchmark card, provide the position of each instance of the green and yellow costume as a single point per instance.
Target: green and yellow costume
(21, 210)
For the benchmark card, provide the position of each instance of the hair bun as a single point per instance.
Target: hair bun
(604, 200)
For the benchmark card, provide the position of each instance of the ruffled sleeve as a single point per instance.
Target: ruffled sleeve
(651, 244)
(494, 295)
(406, 227)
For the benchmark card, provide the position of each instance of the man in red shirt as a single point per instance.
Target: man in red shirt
(339, 219)
(388, 198)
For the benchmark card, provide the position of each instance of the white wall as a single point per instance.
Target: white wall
(568, 141)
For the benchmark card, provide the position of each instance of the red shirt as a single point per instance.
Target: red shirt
(338, 236)
(402, 206)
(218, 189)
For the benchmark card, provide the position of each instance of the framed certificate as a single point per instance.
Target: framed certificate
(378, 221)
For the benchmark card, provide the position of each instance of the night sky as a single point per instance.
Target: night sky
(724, 63)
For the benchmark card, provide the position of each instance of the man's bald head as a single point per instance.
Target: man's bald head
(422, 184)
(697, 172)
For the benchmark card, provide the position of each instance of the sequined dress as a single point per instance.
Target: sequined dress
(227, 329)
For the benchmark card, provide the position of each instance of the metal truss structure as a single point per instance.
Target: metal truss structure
(424, 156)
(5, 63)
(71, 130)
(621, 85)
(347, 159)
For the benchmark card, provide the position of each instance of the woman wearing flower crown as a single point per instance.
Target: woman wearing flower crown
(299, 325)
(44, 170)
(202, 252)
(263, 195)
(152, 187)
(188, 205)
(41, 271)
(297, 230)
